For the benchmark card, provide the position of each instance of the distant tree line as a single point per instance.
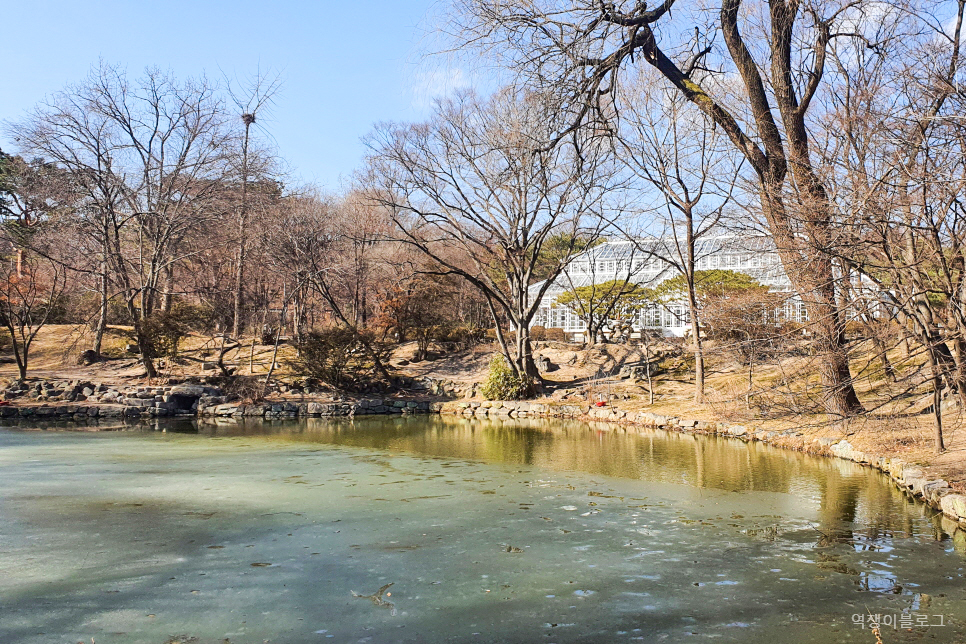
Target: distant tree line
(834, 127)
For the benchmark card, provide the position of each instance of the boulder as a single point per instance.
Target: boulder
(954, 506)
(187, 390)
(88, 357)
(545, 365)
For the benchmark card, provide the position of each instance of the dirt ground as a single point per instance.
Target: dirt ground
(784, 395)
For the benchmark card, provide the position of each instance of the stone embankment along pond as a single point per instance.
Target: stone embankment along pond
(85, 402)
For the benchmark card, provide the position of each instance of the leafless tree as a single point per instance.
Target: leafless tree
(306, 249)
(679, 152)
(491, 180)
(894, 147)
(31, 286)
(364, 231)
(758, 89)
(252, 98)
(148, 161)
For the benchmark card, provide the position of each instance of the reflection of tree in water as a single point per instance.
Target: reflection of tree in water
(700, 461)
(839, 505)
(879, 582)
(886, 512)
(844, 489)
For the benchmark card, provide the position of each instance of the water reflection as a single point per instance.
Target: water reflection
(854, 505)
(482, 531)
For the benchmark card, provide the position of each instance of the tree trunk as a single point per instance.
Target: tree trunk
(142, 340)
(524, 349)
(883, 352)
(839, 395)
(698, 346)
(19, 355)
(102, 313)
(242, 239)
(937, 399)
(812, 273)
(167, 299)
(647, 370)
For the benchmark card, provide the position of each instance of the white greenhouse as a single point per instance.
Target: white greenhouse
(645, 262)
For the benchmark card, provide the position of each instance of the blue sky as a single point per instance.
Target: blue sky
(345, 65)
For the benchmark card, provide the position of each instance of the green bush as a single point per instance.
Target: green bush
(502, 384)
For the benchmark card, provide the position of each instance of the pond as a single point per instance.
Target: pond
(438, 529)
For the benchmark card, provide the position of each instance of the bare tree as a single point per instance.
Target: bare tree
(31, 286)
(252, 98)
(894, 147)
(777, 52)
(148, 160)
(364, 230)
(677, 150)
(306, 249)
(492, 180)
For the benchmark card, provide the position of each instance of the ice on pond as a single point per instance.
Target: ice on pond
(264, 530)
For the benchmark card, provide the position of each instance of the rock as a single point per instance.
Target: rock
(195, 391)
(844, 449)
(544, 364)
(935, 490)
(912, 473)
(88, 357)
(914, 479)
(954, 505)
(638, 371)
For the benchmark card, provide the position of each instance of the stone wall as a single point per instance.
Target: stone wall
(78, 399)
(318, 409)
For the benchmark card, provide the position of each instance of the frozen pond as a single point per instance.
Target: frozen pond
(516, 532)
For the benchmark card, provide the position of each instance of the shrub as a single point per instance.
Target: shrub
(117, 312)
(463, 336)
(502, 384)
(247, 388)
(555, 334)
(336, 355)
(538, 333)
(268, 336)
(163, 331)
